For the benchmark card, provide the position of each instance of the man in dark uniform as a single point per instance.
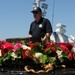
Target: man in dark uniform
(40, 28)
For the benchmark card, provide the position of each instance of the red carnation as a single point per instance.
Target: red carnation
(23, 54)
(68, 45)
(1, 43)
(48, 44)
(32, 45)
(70, 55)
(64, 48)
(4, 51)
(53, 49)
(6, 47)
(74, 55)
(50, 49)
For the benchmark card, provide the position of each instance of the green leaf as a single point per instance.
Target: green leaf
(23, 42)
(48, 51)
(19, 57)
(19, 52)
(43, 59)
(7, 55)
(1, 59)
(51, 60)
(65, 55)
(6, 58)
(47, 59)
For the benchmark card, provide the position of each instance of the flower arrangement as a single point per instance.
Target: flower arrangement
(49, 54)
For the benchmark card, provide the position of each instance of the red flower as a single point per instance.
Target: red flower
(64, 48)
(68, 45)
(50, 49)
(48, 44)
(74, 55)
(1, 43)
(53, 49)
(23, 54)
(70, 55)
(4, 51)
(7, 47)
(32, 45)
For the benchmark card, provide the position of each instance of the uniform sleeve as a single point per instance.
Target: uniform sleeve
(48, 26)
(30, 32)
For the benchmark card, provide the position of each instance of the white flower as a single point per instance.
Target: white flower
(38, 54)
(59, 53)
(61, 59)
(73, 49)
(26, 47)
(14, 55)
(0, 53)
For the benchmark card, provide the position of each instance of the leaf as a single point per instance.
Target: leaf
(19, 51)
(7, 56)
(65, 55)
(19, 57)
(51, 60)
(12, 58)
(47, 59)
(43, 59)
(23, 43)
(1, 59)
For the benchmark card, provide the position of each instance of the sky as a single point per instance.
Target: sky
(16, 16)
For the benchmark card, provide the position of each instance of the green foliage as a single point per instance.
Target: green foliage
(43, 59)
(23, 42)
(7, 56)
(47, 59)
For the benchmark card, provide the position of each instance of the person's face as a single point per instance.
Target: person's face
(37, 15)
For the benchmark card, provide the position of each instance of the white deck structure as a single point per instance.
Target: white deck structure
(59, 35)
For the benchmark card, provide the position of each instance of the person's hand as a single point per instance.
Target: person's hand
(42, 39)
(30, 36)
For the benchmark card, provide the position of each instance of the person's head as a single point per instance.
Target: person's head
(37, 13)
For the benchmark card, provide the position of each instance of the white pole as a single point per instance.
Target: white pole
(53, 12)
